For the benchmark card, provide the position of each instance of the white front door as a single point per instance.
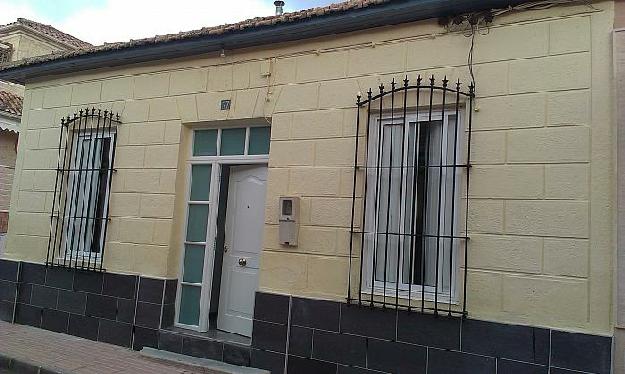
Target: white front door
(245, 219)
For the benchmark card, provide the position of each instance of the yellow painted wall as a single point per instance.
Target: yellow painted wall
(542, 185)
(27, 44)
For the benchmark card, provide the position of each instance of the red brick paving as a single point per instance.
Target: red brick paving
(71, 354)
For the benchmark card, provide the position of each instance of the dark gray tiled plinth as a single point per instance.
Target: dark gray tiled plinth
(271, 308)
(446, 362)
(83, 326)
(88, 281)
(169, 341)
(429, 330)
(28, 315)
(236, 354)
(72, 302)
(101, 306)
(581, 352)
(151, 290)
(32, 273)
(120, 285)
(395, 357)
(300, 341)
(87, 304)
(340, 348)
(6, 311)
(368, 321)
(126, 310)
(60, 278)
(514, 367)
(8, 291)
(319, 314)
(148, 315)
(44, 297)
(269, 336)
(274, 362)
(8, 270)
(522, 343)
(144, 337)
(55, 320)
(309, 366)
(117, 333)
(327, 335)
(202, 348)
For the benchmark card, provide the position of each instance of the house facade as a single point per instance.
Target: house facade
(370, 187)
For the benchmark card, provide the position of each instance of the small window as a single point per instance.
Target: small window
(239, 141)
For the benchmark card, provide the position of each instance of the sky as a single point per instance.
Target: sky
(99, 21)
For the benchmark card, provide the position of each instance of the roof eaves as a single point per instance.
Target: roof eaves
(338, 18)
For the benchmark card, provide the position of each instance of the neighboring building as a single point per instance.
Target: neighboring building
(19, 40)
(228, 179)
(10, 111)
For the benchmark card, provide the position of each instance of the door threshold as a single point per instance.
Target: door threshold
(213, 334)
(215, 367)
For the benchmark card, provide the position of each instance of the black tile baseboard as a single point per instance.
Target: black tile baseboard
(333, 337)
(120, 309)
(291, 335)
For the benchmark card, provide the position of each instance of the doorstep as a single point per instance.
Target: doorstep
(218, 366)
(214, 345)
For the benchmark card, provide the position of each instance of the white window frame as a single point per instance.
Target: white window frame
(216, 163)
(71, 254)
(415, 291)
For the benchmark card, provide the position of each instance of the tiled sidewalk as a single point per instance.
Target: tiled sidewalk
(69, 354)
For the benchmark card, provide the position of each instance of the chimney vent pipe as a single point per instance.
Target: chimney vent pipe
(279, 7)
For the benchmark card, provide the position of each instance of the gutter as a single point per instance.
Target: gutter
(392, 13)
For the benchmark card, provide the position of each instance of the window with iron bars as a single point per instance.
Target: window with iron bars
(411, 236)
(80, 209)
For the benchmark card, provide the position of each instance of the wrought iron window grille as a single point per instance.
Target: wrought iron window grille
(80, 207)
(408, 242)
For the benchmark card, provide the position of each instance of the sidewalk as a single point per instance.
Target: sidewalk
(69, 354)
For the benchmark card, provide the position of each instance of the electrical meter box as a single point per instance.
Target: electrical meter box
(289, 221)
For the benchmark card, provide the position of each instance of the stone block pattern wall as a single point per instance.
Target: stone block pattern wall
(124, 310)
(540, 226)
(324, 337)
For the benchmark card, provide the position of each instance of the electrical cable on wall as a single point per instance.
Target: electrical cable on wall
(472, 24)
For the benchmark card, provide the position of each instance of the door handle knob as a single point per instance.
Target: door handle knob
(226, 248)
(242, 261)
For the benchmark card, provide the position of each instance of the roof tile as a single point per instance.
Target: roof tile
(10, 103)
(251, 23)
